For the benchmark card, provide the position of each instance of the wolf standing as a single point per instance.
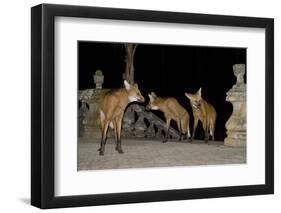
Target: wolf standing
(112, 108)
(172, 111)
(204, 112)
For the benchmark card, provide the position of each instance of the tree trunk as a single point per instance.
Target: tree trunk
(129, 117)
(129, 60)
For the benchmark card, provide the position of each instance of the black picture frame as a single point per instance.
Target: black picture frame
(43, 111)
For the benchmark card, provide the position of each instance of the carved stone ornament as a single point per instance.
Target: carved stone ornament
(236, 124)
(99, 79)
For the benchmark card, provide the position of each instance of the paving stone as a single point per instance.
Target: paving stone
(143, 153)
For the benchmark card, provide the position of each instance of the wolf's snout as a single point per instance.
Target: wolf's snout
(141, 99)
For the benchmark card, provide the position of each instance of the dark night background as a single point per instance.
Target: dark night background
(168, 70)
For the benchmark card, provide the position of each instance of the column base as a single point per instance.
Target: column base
(235, 138)
(234, 142)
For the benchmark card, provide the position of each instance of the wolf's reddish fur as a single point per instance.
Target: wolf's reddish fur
(204, 112)
(172, 111)
(112, 107)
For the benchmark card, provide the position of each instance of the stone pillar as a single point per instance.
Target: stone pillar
(236, 124)
(90, 126)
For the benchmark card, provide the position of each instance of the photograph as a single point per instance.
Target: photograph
(144, 105)
(141, 105)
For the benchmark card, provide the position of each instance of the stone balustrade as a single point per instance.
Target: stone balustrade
(143, 124)
(138, 122)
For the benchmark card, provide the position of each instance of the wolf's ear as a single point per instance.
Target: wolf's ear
(136, 85)
(199, 92)
(153, 94)
(189, 96)
(151, 97)
(127, 85)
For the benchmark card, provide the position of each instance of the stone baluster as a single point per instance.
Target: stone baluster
(128, 121)
(139, 126)
(83, 110)
(236, 124)
(150, 132)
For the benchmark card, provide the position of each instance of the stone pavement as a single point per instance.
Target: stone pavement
(143, 153)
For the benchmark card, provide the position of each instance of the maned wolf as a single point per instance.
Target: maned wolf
(204, 112)
(172, 111)
(112, 107)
